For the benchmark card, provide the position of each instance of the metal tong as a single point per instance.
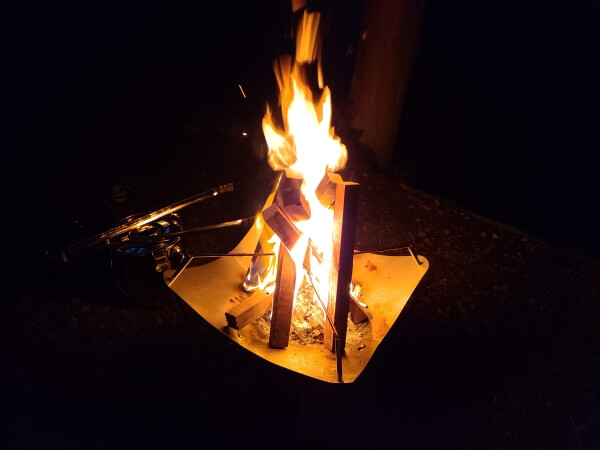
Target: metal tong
(119, 234)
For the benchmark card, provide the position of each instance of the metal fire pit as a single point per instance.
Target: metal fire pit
(387, 283)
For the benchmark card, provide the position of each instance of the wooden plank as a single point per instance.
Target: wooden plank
(281, 225)
(249, 310)
(344, 233)
(357, 314)
(290, 198)
(325, 191)
(283, 300)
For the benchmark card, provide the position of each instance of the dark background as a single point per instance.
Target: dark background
(500, 113)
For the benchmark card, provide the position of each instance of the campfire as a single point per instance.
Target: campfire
(296, 272)
(310, 224)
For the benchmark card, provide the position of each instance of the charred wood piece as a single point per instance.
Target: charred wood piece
(249, 310)
(358, 314)
(283, 300)
(290, 198)
(325, 191)
(281, 225)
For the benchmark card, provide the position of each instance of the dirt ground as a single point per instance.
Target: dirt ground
(496, 349)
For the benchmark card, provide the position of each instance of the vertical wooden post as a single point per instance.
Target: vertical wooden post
(283, 300)
(382, 68)
(344, 233)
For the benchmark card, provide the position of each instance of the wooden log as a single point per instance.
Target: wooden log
(290, 198)
(344, 233)
(281, 225)
(283, 300)
(249, 310)
(325, 191)
(357, 313)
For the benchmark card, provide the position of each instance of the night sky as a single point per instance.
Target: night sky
(500, 114)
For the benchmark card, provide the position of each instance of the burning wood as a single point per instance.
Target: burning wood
(282, 225)
(313, 213)
(357, 314)
(283, 300)
(325, 191)
(338, 272)
(290, 197)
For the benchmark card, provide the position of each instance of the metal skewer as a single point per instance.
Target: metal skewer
(169, 236)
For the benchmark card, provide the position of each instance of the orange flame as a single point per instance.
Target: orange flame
(306, 143)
